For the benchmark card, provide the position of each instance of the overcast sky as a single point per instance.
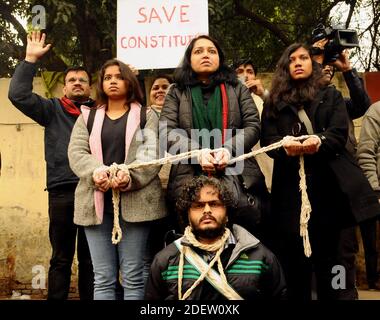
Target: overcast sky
(359, 22)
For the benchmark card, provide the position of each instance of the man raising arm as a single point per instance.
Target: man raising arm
(58, 117)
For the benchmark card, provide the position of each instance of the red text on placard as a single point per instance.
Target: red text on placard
(163, 14)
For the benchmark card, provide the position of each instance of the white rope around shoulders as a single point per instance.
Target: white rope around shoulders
(216, 247)
(305, 203)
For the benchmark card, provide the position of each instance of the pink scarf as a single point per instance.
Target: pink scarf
(95, 141)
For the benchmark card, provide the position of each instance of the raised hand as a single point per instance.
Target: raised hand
(36, 47)
(256, 87)
(343, 62)
(321, 45)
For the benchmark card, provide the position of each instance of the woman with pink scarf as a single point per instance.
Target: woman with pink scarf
(115, 134)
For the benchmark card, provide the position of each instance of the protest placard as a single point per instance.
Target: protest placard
(155, 34)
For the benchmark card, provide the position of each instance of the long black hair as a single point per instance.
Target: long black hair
(185, 76)
(294, 92)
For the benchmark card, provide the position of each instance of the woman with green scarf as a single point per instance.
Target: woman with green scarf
(208, 108)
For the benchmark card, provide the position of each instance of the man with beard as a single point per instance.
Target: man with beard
(57, 116)
(214, 260)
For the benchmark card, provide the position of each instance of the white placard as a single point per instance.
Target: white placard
(153, 34)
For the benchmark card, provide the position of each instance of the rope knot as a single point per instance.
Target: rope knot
(116, 231)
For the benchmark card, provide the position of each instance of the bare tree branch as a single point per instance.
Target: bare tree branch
(325, 14)
(260, 20)
(350, 13)
(7, 15)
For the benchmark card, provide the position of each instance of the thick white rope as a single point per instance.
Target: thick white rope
(305, 209)
(305, 203)
(216, 247)
(116, 231)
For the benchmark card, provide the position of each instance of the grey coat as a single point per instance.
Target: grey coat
(368, 153)
(144, 201)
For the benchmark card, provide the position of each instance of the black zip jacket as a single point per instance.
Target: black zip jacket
(251, 269)
(50, 114)
(357, 105)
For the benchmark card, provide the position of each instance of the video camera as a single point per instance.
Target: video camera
(339, 39)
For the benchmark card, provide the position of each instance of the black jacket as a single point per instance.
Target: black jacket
(242, 114)
(50, 114)
(339, 193)
(359, 101)
(357, 105)
(251, 269)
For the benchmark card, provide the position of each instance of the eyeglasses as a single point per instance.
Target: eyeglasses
(73, 80)
(216, 204)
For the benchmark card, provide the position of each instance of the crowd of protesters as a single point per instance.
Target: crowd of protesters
(206, 228)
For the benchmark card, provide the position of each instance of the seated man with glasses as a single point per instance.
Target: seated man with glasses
(214, 260)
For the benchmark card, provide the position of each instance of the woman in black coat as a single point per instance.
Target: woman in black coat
(338, 192)
(207, 107)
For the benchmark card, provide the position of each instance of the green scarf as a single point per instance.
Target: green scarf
(206, 117)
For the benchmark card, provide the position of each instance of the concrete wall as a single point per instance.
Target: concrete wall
(24, 242)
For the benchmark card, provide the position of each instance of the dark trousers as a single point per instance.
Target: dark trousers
(348, 248)
(298, 268)
(63, 234)
(369, 236)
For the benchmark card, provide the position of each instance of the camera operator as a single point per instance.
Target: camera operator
(359, 101)
(357, 105)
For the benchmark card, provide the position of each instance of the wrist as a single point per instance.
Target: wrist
(127, 186)
(319, 141)
(228, 153)
(100, 169)
(265, 94)
(317, 51)
(31, 59)
(346, 69)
